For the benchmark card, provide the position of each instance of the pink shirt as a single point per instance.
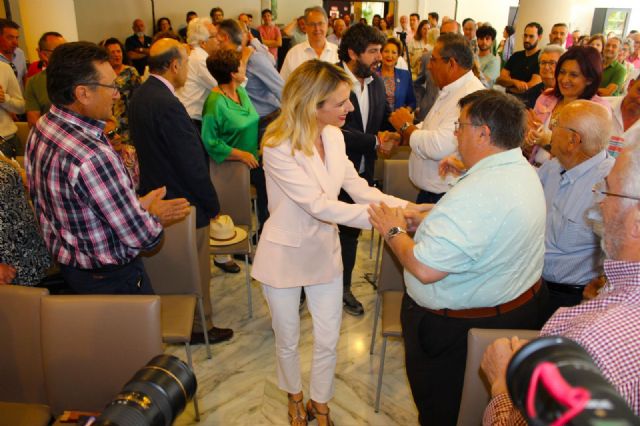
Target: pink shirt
(270, 32)
(635, 62)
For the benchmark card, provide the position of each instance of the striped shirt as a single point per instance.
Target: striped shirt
(607, 327)
(84, 199)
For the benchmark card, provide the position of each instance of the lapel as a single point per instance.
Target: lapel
(356, 119)
(373, 104)
(315, 168)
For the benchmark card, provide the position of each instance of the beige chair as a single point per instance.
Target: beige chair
(389, 300)
(22, 134)
(22, 385)
(475, 392)
(92, 345)
(231, 180)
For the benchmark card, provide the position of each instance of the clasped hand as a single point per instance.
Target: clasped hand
(383, 218)
(388, 141)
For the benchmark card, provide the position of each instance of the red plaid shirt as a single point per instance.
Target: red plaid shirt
(607, 327)
(84, 199)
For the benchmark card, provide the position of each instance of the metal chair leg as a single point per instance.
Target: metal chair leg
(375, 268)
(205, 332)
(371, 243)
(376, 318)
(246, 265)
(380, 371)
(187, 348)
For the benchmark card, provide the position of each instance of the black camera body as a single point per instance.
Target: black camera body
(577, 372)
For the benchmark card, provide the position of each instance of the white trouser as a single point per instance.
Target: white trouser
(325, 305)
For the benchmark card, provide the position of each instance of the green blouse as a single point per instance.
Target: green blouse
(227, 125)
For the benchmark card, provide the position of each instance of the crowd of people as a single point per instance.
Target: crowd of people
(521, 159)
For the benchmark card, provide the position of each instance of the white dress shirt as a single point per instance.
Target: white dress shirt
(303, 52)
(434, 139)
(199, 83)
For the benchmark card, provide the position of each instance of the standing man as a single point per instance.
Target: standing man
(10, 53)
(522, 70)
(11, 102)
(92, 222)
(475, 260)
(489, 64)
(216, 14)
(137, 46)
(270, 33)
(573, 257)
(36, 97)
(559, 33)
(171, 154)
(434, 138)
(469, 28)
(613, 72)
(433, 19)
(339, 28)
(316, 46)
(183, 31)
(360, 55)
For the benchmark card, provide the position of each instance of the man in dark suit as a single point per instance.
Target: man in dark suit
(359, 55)
(171, 154)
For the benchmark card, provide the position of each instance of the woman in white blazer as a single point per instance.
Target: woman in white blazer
(305, 166)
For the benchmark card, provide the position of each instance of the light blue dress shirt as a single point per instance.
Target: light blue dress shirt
(487, 232)
(573, 254)
(264, 84)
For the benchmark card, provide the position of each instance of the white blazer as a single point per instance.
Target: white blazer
(299, 244)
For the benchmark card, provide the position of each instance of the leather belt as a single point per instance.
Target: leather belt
(564, 288)
(489, 312)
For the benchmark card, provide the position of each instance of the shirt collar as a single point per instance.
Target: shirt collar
(354, 78)
(87, 125)
(327, 46)
(621, 273)
(452, 87)
(576, 172)
(165, 82)
(494, 160)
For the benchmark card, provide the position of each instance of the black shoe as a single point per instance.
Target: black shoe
(303, 298)
(351, 304)
(216, 335)
(240, 257)
(230, 266)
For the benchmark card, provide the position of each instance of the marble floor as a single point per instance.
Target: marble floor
(238, 385)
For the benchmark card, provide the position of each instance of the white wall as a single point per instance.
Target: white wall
(39, 16)
(98, 19)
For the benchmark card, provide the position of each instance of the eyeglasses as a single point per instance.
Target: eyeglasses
(113, 87)
(548, 63)
(111, 134)
(602, 190)
(457, 125)
(443, 58)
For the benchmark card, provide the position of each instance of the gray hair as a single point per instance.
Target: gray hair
(552, 48)
(630, 176)
(457, 47)
(232, 29)
(318, 9)
(592, 121)
(197, 31)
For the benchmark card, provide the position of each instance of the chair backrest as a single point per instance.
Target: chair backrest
(22, 134)
(475, 392)
(401, 153)
(173, 265)
(231, 180)
(21, 373)
(391, 271)
(396, 180)
(92, 345)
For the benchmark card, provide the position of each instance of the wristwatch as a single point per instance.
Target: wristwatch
(404, 127)
(395, 231)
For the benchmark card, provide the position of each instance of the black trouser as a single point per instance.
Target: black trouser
(428, 197)
(349, 248)
(562, 295)
(436, 353)
(118, 279)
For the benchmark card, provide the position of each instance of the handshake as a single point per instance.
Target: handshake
(388, 141)
(383, 217)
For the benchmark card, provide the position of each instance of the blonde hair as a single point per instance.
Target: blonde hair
(304, 92)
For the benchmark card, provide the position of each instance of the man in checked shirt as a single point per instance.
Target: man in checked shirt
(607, 326)
(92, 222)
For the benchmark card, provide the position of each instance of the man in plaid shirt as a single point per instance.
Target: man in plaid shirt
(92, 222)
(607, 326)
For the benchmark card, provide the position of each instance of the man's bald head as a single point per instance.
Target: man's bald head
(591, 121)
(163, 52)
(450, 26)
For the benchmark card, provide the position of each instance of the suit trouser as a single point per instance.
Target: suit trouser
(204, 263)
(324, 302)
(436, 353)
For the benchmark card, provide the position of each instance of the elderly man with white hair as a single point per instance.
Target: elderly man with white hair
(573, 257)
(202, 36)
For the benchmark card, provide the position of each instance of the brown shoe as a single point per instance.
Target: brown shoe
(230, 267)
(296, 404)
(313, 412)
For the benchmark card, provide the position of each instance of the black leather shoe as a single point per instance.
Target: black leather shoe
(240, 257)
(351, 304)
(230, 266)
(216, 335)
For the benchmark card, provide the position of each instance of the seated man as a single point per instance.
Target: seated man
(573, 257)
(476, 258)
(626, 118)
(607, 326)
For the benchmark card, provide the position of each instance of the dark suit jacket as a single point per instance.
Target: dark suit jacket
(170, 150)
(362, 142)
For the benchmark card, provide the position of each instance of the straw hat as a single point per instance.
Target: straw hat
(222, 232)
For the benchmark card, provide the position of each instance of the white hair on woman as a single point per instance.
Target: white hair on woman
(198, 31)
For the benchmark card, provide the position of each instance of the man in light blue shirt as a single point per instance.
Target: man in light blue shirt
(10, 53)
(476, 259)
(573, 256)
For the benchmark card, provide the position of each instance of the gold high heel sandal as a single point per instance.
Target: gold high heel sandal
(300, 419)
(312, 413)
